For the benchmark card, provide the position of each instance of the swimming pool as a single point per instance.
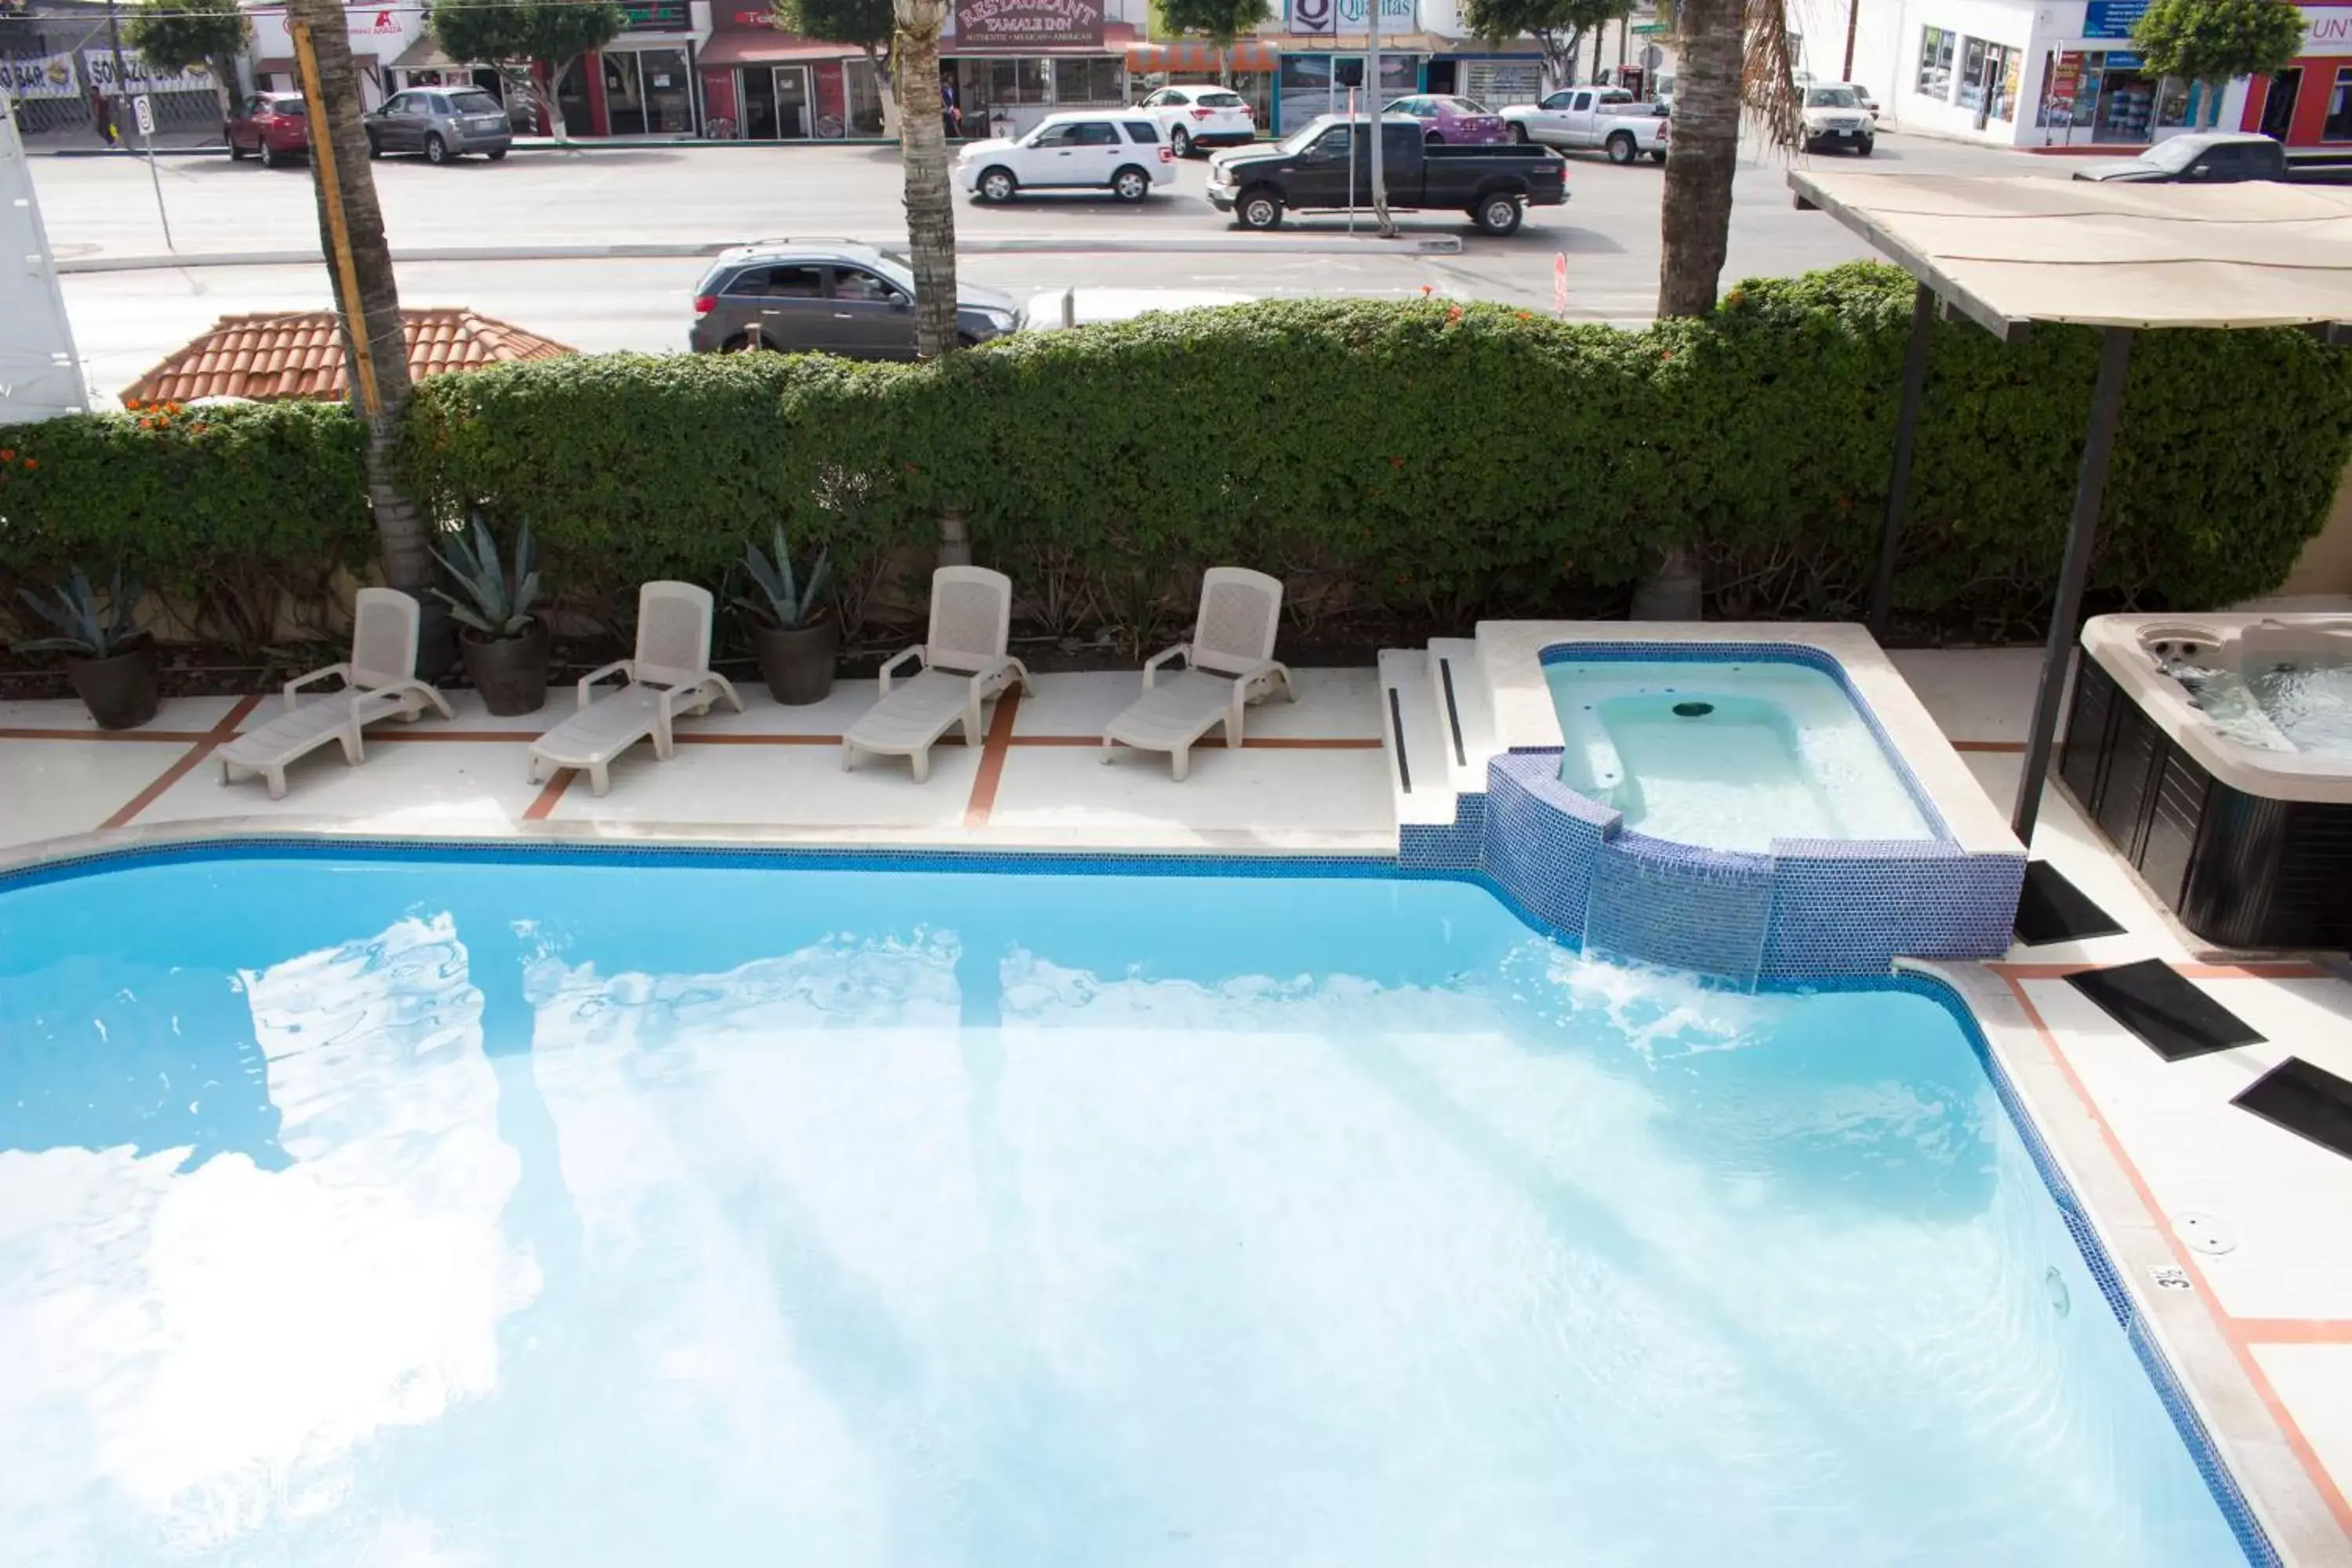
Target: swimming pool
(497, 1209)
(1729, 754)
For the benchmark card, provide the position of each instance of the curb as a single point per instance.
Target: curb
(1237, 245)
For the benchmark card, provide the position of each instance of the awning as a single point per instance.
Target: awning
(2016, 249)
(423, 55)
(1197, 59)
(273, 65)
(766, 47)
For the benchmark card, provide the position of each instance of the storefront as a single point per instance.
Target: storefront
(1004, 89)
(423, 64)
(1251, 68)
(2309, 104)
(648, 71)
(761, 85)
(379, 35)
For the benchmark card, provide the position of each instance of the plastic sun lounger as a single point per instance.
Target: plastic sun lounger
(382, 684)
(965, 667)
(1232, 664)
(670, 679)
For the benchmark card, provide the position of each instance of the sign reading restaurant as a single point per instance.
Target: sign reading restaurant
(1020, 24)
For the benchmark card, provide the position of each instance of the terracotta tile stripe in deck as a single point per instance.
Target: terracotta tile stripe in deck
(537, 811)
(991, 761)
(188, 760)
(2296, 1331)
(184, 737)
(1257, 743)
(2007, 747)
(2234, 1331)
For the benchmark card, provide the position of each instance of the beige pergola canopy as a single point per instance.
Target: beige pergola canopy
(2011, 250)
(2008, 251)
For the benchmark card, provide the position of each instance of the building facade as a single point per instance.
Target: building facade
(2309, 104)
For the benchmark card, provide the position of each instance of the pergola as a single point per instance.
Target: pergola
(2007, 252)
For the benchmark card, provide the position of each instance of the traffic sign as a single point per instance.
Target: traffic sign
(1650, 29)
(146, 113)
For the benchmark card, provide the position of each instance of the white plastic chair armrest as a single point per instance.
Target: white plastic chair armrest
(344, 671)
(1152, 666)
(899, 659)
(618, 667)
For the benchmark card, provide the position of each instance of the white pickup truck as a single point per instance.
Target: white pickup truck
(1609, 118)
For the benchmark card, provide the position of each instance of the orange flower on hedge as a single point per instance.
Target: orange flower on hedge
(8, 454)
(1424, 290)
(32, 463)
(1396, 462)
(197, 428)
(1455, 314)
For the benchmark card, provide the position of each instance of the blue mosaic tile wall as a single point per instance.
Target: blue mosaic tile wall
(1811, 908)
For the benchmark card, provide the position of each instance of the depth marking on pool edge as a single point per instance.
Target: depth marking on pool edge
(223, 730)
(2241, 1334)
(982, 803)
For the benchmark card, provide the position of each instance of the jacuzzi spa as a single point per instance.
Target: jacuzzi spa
(2216, 753)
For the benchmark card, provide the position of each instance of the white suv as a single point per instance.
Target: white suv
(1201, 114)
(1114, 150)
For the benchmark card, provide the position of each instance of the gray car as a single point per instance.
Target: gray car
(832, 297)
(440, 122)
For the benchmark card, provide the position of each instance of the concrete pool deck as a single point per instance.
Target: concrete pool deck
(2261, 1333)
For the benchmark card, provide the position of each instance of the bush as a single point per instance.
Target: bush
(231, 513)
(1433, 462)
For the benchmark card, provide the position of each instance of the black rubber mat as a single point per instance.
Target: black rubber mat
(2177, 1020)
(2307, 1101)
(2051, 909)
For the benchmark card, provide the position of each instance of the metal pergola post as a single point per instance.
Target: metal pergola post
(1898, 481)
(2090, 488)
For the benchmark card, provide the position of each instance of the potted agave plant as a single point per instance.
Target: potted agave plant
(795, 634)
(110, 660)
(503, 643)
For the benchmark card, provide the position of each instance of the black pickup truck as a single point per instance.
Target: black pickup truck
(2221, 158)
(1327, 166)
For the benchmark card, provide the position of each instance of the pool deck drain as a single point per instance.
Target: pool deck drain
(2261, 1334)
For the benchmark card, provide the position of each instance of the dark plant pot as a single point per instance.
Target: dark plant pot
(798, 664)
(120, 690)
(510, 672)
(437, 641)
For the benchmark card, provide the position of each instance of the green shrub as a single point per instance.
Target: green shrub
(1430, 462)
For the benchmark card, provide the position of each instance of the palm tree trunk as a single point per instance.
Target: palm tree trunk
(403, 532)
(923, 154)
(1695, 210)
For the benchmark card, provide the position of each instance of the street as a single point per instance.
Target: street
(102, 208)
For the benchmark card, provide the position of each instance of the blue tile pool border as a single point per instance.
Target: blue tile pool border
(2187, 1423)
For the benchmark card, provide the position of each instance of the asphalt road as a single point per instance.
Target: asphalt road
(96, 208)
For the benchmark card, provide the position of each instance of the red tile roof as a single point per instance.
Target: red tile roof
(285, 354)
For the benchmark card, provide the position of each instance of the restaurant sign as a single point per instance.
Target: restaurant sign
(1026, 23)
(660, 16)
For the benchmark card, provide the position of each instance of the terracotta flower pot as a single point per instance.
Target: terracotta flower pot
(120, 690)
(510, 672)
(797, 665)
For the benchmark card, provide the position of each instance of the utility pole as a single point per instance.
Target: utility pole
(123, 99)
(1372, 95)
(1852, 20)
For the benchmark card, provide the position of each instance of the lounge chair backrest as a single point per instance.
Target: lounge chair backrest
(385, 624)
(1241, 610)
(971, 618)
(673, 633)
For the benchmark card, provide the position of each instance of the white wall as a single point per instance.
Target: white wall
(39, 376)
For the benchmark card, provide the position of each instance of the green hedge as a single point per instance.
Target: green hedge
(1430, 461)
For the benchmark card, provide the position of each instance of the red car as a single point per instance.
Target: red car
(274, 126)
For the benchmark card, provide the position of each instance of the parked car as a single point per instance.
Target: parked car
(1835, 118)
(832, 297)
(1861, 96)
(1609, 118)
(1325, 165)
(272, 126)
(1114, 150)
(1453, 122)
(2221, 157)
(1200, 114)
(440, 122)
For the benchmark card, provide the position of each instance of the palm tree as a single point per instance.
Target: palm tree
(923, 155)
(402, 533)
(1734, 63)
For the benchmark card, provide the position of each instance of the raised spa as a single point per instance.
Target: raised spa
(2215, 752)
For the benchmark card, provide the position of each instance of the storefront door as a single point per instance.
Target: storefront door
(2278, 107)
(571, 100)
(791, 91)
(624, 98)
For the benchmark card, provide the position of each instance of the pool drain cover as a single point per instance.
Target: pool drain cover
(1693, 710)
(2204, 1233)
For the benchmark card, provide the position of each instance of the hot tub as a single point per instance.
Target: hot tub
(2215, 752)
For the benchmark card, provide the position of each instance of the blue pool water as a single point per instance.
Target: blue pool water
(403, 1213)
(1730, 754)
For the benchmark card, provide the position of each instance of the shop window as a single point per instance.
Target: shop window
(668, 91)
(1936, 49)
(1500, 82)
(1988, 79)
(1101, 79)
(2338, 126)
(1017, 82)
(865, 99)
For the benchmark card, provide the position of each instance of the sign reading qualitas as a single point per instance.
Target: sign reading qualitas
(1020, 24)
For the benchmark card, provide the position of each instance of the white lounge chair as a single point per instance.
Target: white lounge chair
(1232, 664)
(381, 683)
(670, 679)
(965, 667)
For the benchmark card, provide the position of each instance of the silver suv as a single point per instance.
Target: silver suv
(440, 122)
(834, 297)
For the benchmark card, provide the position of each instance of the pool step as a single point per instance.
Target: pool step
(1420, 773)
(1464, 709)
